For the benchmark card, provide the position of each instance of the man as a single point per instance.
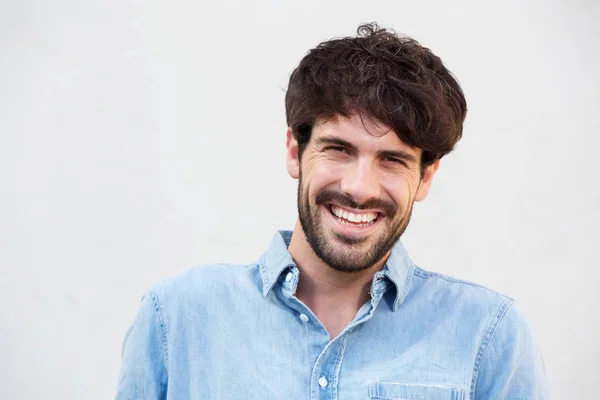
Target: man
(336, 309)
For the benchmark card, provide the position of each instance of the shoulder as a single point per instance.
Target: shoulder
(449, 289)
(507, 359)
(205, 282)
(477, 309)
(505, 315)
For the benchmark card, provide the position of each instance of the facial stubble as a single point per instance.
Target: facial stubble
(340, 256)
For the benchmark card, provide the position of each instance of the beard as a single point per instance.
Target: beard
(344, 253)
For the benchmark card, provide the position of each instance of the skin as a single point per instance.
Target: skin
(363, 166)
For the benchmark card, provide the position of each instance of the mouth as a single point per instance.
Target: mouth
(354, 218)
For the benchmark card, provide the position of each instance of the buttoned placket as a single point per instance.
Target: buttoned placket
(326, 370)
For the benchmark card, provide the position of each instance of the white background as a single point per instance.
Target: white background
(141, 138)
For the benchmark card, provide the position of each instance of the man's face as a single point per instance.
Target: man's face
(357, 185)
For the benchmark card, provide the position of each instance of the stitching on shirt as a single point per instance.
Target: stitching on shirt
(398, 398)
(421, 273)
(428, 385)
(263, 274)
(161, 324)
(407, 284)
(317, 366)
(486, 340)
(374, 393)
(338, 364)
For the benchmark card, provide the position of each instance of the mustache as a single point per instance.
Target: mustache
(330, 196)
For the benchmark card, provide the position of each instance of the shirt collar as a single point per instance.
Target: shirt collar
(275, 260)
(399, 268)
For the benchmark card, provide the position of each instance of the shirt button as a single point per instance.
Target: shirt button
(303, 318)
(322, 382)
(288, 277)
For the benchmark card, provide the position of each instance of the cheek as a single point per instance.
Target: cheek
(402, 190)
(323, 177)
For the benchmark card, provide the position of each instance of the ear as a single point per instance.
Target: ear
(293, 163)
(426, 180)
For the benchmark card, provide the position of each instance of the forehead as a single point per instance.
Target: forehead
(363, 132)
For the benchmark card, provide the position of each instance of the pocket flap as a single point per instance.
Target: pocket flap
(402, 391)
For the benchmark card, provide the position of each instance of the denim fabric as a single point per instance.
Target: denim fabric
(239, 332)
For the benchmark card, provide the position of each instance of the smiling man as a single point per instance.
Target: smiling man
(357, 185)
(336, 309)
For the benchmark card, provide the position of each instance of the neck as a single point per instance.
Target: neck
(325, 290)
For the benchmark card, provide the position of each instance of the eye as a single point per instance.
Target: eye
(395, 160)
(337, 149)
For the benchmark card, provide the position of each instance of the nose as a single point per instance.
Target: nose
(360, 181)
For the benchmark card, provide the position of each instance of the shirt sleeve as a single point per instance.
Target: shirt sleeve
(511, 366)
(144, 359)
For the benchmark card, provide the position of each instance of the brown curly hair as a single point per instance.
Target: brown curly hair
(386, 77)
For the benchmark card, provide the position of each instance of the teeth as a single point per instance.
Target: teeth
(361, 219)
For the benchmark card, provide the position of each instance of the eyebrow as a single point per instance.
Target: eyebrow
(336, 141)
(402, 155)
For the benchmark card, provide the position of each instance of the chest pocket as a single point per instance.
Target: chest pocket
(401, 391)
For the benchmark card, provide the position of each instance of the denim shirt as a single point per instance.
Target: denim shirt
(239, 332)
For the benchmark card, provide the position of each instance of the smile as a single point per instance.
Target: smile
(353, 218)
